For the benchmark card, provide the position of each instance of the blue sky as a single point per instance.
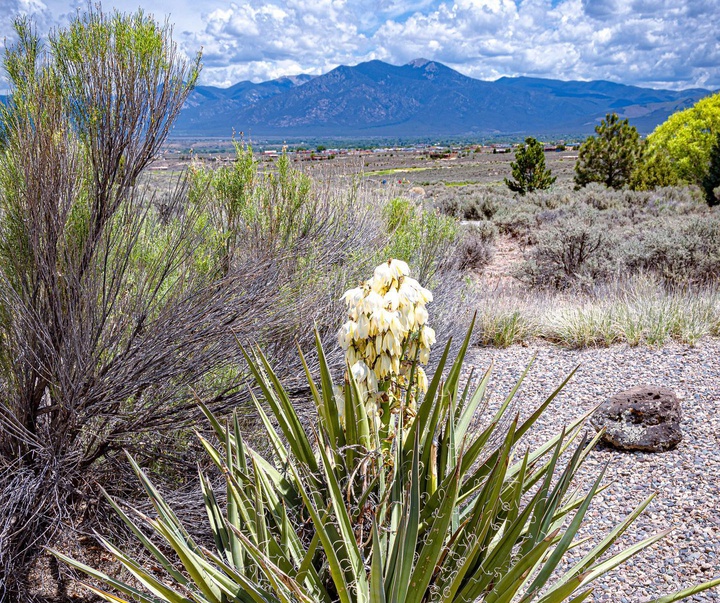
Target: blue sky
(656, 43)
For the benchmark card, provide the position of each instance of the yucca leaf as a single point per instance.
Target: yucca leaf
(453, 378)
(283, 585)
(427, 405)
(328, 393)
(606, 542)
(687, 592)
(377, 585)
(103, 577)
(557, 595)
(535, 531)
(214, 423)
(236, 492)
(448, 453)
(555, 496)
(150, 582)
(351, 427)
(109, 596)
(567, 538)
(570, 433)
(145, 541)
(603, 568)
(283, 485)
(249, 589)
(191, 561)
(236, 557)
(434, 543)
(306, 569)
(165, 513)
(283, 410)
(467, 412)
(215, 517)
(273, 437)
(515, 575)
(411, 515)
(325, 405)
(524, 427)
(350, 546)
(329, 541)
(582, 596)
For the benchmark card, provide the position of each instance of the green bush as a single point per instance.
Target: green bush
(687, 138)
(425, 239)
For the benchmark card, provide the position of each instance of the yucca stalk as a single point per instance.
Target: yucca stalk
(460, 515)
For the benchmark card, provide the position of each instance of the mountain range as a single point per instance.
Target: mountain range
(421, 98)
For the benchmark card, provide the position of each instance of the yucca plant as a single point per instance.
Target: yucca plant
(390, 497)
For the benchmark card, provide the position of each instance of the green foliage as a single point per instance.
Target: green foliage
(528, 169)
(423, 238)
(611, 156)
(653, 170)
(88, 290)
(446, 514)
(711, 180)
(253, 213)
(687, 138)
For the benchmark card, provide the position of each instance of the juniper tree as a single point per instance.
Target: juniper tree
(528, 169)
(610, 156)
(711, 181)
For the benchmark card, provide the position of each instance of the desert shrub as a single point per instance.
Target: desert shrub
(99, 330)
(551, 199)
(518, 220)
(473, 253)
(472, 202)
(681, 251)
(394, 496)
(600, 197)
(572, 251)
(425, 239)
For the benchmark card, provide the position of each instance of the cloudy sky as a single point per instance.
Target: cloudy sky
(657, 43)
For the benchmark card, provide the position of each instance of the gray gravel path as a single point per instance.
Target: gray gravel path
(686, 479)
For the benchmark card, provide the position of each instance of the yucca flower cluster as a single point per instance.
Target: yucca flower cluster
(386, 338)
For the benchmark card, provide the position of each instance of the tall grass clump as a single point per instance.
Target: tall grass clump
(389, 495)
(637, 311)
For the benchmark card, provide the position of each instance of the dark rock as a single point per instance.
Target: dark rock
(644, 418)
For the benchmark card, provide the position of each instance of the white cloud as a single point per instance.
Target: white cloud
(664, 43)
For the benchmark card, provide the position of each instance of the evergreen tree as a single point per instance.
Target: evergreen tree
(528, 169)
(711, 181)
(611, 156)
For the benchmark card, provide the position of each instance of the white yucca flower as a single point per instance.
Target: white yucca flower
(385, 335)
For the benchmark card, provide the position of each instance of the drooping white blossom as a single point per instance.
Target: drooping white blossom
(385, 335)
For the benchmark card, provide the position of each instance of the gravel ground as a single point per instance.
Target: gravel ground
(686, 479)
